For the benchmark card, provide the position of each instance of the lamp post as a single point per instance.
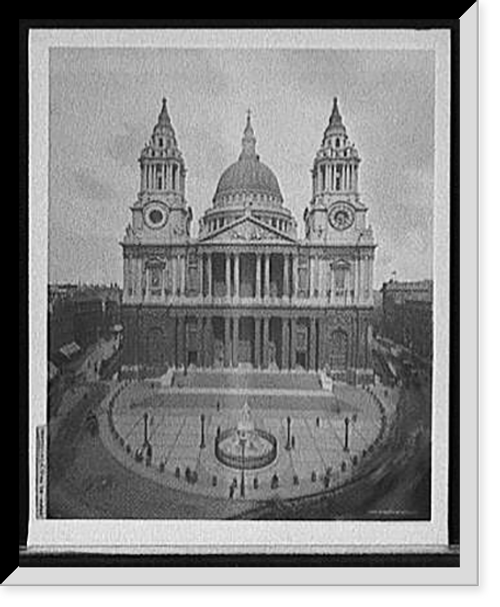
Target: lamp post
(242, 491)
(288, 422)
(145, 429)
(346, 442)
(202, 443)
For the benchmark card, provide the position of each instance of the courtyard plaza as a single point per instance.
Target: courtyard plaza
(169, 434)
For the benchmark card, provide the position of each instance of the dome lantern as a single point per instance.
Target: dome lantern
(249, 141)
(248, 178)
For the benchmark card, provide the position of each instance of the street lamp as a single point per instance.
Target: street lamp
(202, 443)
(346, 441)
(288, 422)
(243, 443)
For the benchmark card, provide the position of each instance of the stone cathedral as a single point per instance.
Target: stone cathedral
(246, 291)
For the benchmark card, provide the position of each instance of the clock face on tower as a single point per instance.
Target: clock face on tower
(341, 216)
(156, 215)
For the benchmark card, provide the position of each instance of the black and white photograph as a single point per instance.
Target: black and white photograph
(241, 261)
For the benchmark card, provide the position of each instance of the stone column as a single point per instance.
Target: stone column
(360, 279)
(173, 262)
(316, 283)
(267, 276)
(201, 262)
(237, 275)
(293, 345)
(285, 343)
(312, 343)
(370, 280)
(208, 342)
(257, 343)
(228, 275)
(286, 275)
(183, 274)
(200, 325)
(265, 343)
(236, 339)
(295, 274)
(181, 342)
(143, 178)
(258, 277)
(227, 341)
(209, 275)
(309, 279)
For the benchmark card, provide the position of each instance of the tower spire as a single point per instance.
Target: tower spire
(163, 117)
(335, 123)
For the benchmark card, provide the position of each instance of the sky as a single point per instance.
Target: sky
(104, 104)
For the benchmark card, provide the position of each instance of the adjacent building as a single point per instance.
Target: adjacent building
(80, 315)
(407, 315)
(246, 290)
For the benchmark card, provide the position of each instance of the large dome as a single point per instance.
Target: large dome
(248, 178)
(248, 175)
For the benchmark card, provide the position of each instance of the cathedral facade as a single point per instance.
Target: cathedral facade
(247, 291)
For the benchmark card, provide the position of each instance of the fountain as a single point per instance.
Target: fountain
(246, 447)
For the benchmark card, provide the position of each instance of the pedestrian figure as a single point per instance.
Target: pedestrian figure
(255, 483)
(275, 482)
(317, 422)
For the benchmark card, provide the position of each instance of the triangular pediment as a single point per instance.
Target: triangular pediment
(248, 230)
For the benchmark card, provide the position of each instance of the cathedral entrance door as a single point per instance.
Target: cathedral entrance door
(218, 353)
(246, 341)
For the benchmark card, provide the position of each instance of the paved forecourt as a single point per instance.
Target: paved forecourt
(313, 451)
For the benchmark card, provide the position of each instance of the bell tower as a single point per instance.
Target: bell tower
(335, 213)
(161, 214)
(163, 171)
